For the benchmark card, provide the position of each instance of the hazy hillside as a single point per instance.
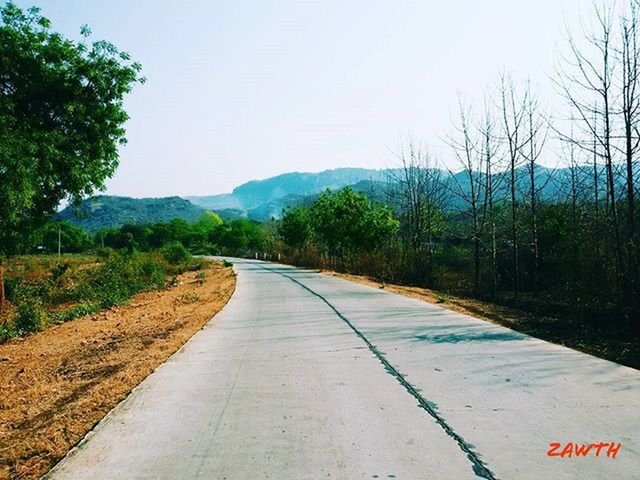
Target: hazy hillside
(109, 211)
(262, 199)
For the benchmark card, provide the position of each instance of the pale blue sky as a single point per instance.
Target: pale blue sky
(241, 89)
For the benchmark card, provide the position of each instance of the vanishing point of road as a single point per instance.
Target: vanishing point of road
(307, 376)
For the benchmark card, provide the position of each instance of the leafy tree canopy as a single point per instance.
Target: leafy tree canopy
(295, 227)
(72, 239)
(343, 222)
(61, 119)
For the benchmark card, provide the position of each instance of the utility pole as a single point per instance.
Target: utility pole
(59, 240)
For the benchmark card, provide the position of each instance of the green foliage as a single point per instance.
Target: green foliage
(442, 297)
(344, 222)
(72, 239)
(175, 253)
(105, 211)
(120, 278)
(6, 332)
(208, 235)
(46, 283)
(11, 285)
(239, 237)
(295, 227)
(80, 310)
(61, 120)
(31, 316)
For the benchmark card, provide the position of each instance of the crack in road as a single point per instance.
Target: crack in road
(479, 467)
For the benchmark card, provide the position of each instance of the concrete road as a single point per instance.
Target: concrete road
(305, 376)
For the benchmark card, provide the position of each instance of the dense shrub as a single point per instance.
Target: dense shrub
(30, 316)
(10, 287)
(119, 278)
(175, 253)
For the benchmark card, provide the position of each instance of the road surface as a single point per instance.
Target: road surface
(307, 376)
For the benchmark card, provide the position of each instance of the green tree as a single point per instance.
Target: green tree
(72, 239)
(201, 231)
(295, 227)
(345, 222)
(61, 120)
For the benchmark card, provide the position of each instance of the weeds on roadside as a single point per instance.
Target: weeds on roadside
(119, 279)
(80, 310)
(442, 298)
(31, 316)
(46, 284)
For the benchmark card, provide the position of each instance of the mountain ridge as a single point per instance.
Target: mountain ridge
(266, 198)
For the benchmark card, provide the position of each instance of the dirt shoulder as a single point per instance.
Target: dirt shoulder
(608, 343)
(57, 384)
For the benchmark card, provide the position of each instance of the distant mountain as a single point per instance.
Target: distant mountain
(263, 199)
(108, 211)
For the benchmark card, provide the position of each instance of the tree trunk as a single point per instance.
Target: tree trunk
(514, 232)
(1, 285)
(534, 225)
(476, 266)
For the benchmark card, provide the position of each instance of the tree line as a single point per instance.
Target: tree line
(209, 235)
(577, 251)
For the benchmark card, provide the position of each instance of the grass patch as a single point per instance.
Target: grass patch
(45, 290)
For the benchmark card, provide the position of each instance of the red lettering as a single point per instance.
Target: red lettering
(583, 450)
(567, 450)
(613, 449)
(599, 447)
(552, 451)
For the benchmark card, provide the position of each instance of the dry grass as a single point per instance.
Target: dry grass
(35, 268)
(615, 344)
(57, 384)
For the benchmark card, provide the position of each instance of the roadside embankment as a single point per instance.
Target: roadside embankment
(55, 385)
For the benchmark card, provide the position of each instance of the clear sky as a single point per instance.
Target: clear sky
(240, 90)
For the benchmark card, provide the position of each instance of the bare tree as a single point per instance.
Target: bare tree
(586, 77)
(537, 130)
(490, 148)
(629, 52)
(513, 112)
(415, 190)
(471, 191)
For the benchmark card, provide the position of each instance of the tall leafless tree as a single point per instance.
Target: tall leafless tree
(471, 191)
(513, 113)
(599, 78)
(415, 190)
(629, 52)
(490, 151)
(537, 130)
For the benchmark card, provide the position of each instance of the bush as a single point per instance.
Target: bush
(59, 270)
(84, 308)
(6, 332)
(30, 317)
(106, 253)
(11, 285)
(120, 278)
(175, 253)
